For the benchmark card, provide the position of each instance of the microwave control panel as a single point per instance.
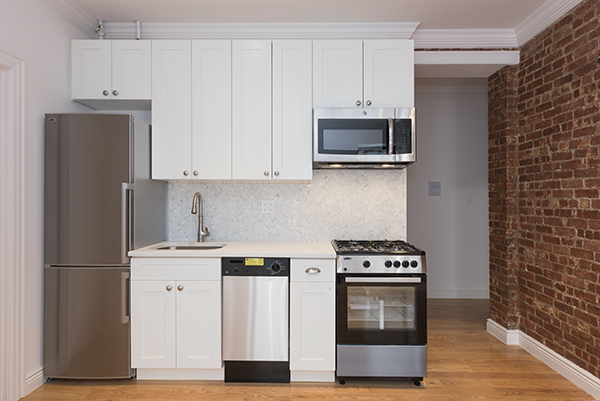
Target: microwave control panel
(402, 136)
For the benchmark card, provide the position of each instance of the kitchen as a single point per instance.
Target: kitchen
(50, 71)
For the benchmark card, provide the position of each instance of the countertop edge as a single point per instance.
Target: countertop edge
(300, 250)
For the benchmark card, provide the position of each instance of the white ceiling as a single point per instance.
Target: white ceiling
(432, 24)
(432, 14)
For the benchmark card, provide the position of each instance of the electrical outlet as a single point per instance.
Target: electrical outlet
(268, 206)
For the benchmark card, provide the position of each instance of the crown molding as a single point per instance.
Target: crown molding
(152, 30)
(507, 57)
(463, 63)
(464, 38)
(550, 12)
(76, 15)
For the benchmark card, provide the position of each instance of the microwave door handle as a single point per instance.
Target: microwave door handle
(391, 136)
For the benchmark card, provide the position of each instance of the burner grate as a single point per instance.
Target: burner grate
(385, 246)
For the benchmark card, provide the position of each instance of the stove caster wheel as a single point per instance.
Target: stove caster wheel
(418, 383)
(342, 382)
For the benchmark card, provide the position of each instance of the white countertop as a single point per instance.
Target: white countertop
(304, 250)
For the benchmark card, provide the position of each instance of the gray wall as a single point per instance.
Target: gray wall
(452, 149)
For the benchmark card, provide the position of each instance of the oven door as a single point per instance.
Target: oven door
(382, 309)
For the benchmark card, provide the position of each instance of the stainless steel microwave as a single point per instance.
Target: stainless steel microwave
(364, 138)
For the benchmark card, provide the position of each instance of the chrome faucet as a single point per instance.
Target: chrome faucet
(202, 231)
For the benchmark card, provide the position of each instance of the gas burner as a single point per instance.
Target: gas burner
(385, 246)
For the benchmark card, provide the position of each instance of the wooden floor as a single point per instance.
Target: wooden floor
(464, 363)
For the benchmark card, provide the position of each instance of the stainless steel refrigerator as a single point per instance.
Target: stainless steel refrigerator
(99, 203)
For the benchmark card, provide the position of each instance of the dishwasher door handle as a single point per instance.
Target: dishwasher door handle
(383, 280)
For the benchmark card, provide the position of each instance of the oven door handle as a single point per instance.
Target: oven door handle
(383, 280)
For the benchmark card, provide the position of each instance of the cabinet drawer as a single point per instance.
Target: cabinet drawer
(316, 270)
(176, 269)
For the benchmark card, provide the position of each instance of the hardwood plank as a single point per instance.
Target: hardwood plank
(464, 363)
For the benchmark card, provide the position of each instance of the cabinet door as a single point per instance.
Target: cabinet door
(389, 73)
(211, 109)
(171, 109)
(153, 324)
(251, 109)
(131, 69)
(312, 326)
(337, 73)
(292, 109)
(91, 69)
(199, 324)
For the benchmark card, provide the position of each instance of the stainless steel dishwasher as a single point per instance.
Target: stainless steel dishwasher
(256, 319)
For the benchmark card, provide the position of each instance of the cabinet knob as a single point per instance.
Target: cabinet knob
(185, 173)
(105, 93)
(277, 173)
(368, 102)
(180, 287)
(169, 288)
(115, 92)
(195, 172)
(266, 173)
(358, 103)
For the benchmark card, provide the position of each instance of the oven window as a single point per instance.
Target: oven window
(381, 308)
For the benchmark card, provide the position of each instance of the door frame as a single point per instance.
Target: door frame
(12, 268)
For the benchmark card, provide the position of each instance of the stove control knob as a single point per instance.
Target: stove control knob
(414, 264)
(388, 263)
(396, 263)
(405, 263)
(366, 264)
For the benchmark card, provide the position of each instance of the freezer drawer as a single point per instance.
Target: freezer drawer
(86, 322)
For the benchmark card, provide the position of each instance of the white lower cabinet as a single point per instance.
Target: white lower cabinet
(312, 320)
(176, 324)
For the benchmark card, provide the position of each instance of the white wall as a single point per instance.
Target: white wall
(451, 149)
(34, 33)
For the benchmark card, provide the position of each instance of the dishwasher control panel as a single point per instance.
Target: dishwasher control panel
(255, 266)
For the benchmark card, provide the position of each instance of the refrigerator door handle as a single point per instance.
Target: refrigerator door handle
(124, 297)
(125, 221)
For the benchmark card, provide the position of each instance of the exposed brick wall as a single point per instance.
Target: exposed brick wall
(502, 180)
(555, 225)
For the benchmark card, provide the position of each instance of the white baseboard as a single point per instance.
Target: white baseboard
(459, 294)
(576, 375)
(508, 337)
(34, 380)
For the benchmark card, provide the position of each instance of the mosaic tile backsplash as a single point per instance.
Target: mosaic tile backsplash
(339, 204)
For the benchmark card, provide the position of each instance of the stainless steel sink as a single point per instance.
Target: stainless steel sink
(206, 247)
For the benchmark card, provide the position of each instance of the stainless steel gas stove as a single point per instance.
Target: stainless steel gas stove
(381, 310)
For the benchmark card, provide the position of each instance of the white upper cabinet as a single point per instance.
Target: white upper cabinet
(107, 69)
(171, 109)
(211, 109)
(292, 110)
(251, 109)
(389, 73)
(370, 73)
(272, 110)
(337, 73)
